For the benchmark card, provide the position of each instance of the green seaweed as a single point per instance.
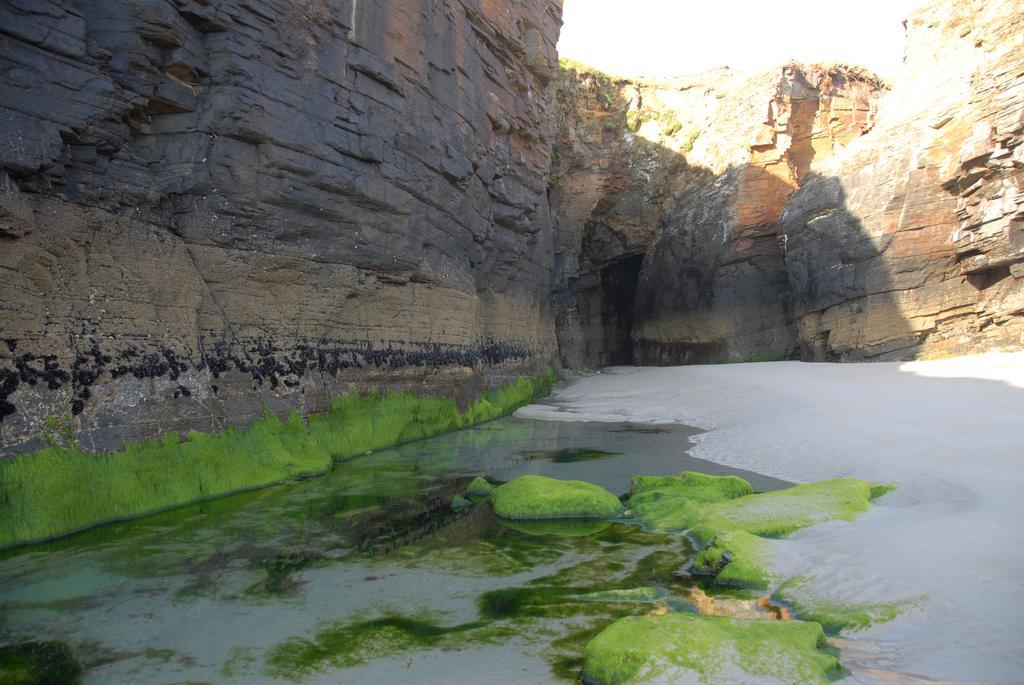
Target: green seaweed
(695, 486)
(479, 487)
(716, 648)
(351, 643)
(63, 489)
(838, 616)
(39, 663)
(747, 565)
(729, 524)
(459, 503)
(708, 507)
(643, 595)
(540, 497)
(574, 528)
(879, 489)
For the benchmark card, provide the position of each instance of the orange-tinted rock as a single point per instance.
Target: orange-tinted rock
(911, 241)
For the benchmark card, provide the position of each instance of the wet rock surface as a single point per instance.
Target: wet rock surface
(210, 208)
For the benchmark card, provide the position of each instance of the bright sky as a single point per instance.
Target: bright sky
(673, 37)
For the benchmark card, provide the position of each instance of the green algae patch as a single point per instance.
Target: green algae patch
(567, 528)
(39, 663)
(459, 503)
(678, 506)
(879, 489)
(738, 559)
(838, 616)
(698, 487)
(643, 595)
(716, 649)
(479, 487)
(348, 644)
(540, 497)
(62, 488)
(729, 524)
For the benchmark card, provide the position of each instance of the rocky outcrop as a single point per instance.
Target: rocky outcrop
(911, 242)
(714, 285)
(804, 213)
(687, 177)
(613, 166)
(208, 208)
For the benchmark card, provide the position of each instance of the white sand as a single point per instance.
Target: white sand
(949, 432)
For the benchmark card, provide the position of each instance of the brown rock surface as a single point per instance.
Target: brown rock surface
(208, 208)
(689, 177)
(911, 242)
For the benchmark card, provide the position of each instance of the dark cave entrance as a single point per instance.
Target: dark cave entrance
(618, 295)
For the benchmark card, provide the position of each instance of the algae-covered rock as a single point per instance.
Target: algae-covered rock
(479, 487)
(835, 616)
(730, 523)
(714, 649)
(39, 663)
(565, 528)
(699, 487)
(736, 558)
(459, 503)
(540, 497)
(682, 506)
(642, 595)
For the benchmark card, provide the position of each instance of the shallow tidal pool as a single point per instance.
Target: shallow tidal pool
(366, 574)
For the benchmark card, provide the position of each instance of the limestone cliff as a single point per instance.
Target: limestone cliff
(208, 208)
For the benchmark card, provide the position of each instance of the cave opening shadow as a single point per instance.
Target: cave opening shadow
(618, 297)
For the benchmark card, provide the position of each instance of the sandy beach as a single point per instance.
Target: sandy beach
(949, 433)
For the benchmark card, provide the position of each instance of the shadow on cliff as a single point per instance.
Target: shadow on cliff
(734, 266)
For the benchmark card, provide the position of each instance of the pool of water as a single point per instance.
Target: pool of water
(366, 573)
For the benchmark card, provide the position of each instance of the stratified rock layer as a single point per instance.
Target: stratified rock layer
(911, 242)
(714, 283)
(208, 208)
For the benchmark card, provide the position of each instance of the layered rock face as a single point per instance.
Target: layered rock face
(911, 242)
(608, 185)
(212, 208)
(714, 284)
(687, 177)
(804, 213)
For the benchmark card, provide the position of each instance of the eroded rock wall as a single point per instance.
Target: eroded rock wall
(684, 180)
(714, 285)
(911, 242)
(808, 212)
(211, 208)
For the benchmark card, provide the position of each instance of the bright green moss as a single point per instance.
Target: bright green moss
(681, 506)
(479, 487)
(540, 497)
(749, 564)
(836, 616)
(715, 648)
(729, 524)
(698, 487)
(59, 490)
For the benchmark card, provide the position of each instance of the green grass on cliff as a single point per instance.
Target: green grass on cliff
(59, 490)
